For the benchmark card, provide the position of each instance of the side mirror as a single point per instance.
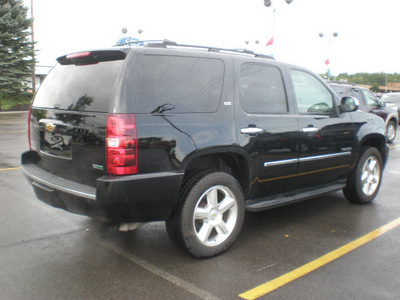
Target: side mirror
(382, 103)
(349, 104)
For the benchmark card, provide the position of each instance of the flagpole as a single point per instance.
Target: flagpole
(329, 50)
(273, 32)
(273, 24)
(268, 3)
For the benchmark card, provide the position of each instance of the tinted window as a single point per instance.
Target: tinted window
(261, 89)
(312, 96)
(179, 84)
(82, 88)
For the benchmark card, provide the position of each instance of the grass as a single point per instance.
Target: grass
(14, 103)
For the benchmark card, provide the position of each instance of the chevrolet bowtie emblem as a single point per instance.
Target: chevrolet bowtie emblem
(50, 127)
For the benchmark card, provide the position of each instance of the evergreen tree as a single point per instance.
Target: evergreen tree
(16, 49)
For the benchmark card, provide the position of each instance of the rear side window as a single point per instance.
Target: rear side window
(79, 88)
(261, 89)
(179, 84)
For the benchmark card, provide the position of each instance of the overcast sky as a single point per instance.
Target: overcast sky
(367, 41)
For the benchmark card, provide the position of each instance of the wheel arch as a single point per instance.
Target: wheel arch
(229, 161)
(394, 120)
(378, 142)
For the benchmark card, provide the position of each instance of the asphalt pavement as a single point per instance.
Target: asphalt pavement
(323, 248)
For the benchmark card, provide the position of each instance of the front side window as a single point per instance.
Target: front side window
(262, 89)
(312, 96)
(179, 84)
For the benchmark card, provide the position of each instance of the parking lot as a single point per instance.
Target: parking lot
(323, 248)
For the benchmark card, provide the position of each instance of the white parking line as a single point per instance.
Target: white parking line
(48, 235)
(160, 272)
(394, 172)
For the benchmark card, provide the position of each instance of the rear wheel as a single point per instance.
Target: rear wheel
(210, 214)
(391, 131)
(364, 184)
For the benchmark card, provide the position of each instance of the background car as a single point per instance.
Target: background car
(392, 100)
(370, 103)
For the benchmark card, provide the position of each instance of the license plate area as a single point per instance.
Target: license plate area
(56, 138)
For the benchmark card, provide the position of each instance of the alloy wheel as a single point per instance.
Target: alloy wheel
(215, 215)
(370, 176)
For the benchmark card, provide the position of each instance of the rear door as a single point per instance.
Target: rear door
(266, 129)
(326, 138)
(69, 114)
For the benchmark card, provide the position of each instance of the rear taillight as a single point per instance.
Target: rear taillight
(121, 144)
(29, 127)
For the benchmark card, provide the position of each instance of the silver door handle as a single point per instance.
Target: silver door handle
(310, 129)
(250, 130)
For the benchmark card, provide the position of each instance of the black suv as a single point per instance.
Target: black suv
(194, 136)
(369, 103)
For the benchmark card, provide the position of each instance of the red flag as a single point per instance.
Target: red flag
(270, 42)
(327, 62)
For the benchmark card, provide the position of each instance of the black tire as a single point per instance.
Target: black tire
(364, 183)
(217, 199)
(391, 131)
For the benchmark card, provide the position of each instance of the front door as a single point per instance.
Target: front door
(326, 141)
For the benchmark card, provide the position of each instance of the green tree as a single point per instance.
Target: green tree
(16, 51)
(375, 88)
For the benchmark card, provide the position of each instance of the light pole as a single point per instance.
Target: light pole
(128, 39)
(327, 61)
(268, 3)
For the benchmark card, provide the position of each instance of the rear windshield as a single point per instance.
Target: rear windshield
(179, 84)
(79, 88)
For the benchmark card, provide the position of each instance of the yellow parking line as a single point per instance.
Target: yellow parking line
(323, 260)
(9, 169)
(394, 146)
(16, 131)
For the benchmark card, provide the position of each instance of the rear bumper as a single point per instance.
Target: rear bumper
(131, 198)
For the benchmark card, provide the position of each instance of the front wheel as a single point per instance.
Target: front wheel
(209, 216)
(364, 184)
(391, 131)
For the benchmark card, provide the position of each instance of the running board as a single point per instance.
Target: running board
(281, 200)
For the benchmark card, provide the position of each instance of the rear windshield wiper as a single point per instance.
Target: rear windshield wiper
(163, 108)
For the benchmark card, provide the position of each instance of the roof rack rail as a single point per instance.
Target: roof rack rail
(168, 44)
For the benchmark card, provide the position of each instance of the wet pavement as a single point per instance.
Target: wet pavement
(46, 253)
